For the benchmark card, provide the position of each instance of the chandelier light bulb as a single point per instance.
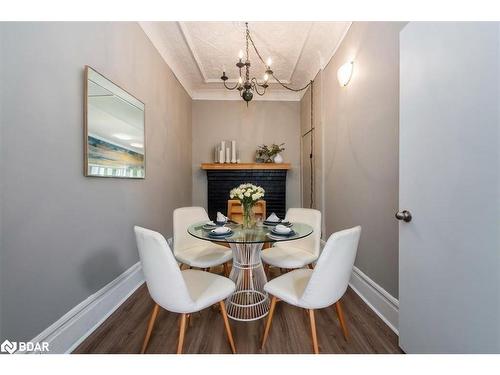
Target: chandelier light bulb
(269, 61)
(240, 80)
(240, 55)
(266, 77)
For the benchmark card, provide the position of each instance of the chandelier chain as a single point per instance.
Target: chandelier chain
(249, 37)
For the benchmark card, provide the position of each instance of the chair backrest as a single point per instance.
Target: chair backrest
(183, 218)
(333, 270)
(161, 271)
(309, 216)
(235, 210)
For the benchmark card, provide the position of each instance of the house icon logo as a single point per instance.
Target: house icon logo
(8, 347)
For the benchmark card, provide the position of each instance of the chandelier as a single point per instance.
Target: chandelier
(248, 86)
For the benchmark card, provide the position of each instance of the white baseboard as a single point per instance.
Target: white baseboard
(77, 324)
(377, 298)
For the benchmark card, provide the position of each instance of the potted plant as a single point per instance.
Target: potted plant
(248, 195)
(267, 154)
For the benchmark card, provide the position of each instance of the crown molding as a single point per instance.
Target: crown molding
(192, 51)
(154, 34)
(234, 80)
(222, 94)
(334, 51)
(306, 39)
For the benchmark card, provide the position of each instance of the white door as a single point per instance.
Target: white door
(449, 265)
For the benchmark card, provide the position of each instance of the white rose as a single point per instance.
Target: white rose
(240, 196)
(247, 194)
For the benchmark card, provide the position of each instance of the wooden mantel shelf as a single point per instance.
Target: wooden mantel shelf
(229, 166)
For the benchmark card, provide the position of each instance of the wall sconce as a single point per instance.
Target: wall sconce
(344, 73)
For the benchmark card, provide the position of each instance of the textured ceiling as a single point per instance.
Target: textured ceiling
(198, 52)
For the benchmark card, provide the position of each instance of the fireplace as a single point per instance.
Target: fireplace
(221, 178)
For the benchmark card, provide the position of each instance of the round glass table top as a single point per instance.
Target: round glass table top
(259, 234)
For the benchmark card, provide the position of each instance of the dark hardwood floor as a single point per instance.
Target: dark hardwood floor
(123, 331)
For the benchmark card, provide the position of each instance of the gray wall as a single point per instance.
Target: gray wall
(63, 235)
(262, 122)
(361, 146)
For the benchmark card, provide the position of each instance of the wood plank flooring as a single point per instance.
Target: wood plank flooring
(123, 331)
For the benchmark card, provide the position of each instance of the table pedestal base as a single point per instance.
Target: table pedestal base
(249, 301)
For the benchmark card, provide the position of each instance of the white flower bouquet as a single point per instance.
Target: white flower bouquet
(248, 195)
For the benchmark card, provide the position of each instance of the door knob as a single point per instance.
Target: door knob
(404, 215)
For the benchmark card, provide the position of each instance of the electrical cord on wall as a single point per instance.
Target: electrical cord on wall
(311, 156)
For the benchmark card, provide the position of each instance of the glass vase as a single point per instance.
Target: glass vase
(248, 216)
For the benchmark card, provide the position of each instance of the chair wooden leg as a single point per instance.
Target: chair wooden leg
(226, 270)
(340, 315)
(182, 332)
(313, 332)
(266, 270)
(151, 324)
(227, 326)
(310, 265)
(269, 320)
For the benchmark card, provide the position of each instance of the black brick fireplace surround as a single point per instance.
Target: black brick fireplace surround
(221, 181)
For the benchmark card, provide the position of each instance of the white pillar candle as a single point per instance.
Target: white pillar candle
(233, 151)
(221, 156)
(228, 155)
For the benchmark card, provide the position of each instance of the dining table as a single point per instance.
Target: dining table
(249, 301)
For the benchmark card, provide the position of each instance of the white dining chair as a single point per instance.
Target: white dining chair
(184, 292)
(192, 251)
(321, 287)
(297, 253)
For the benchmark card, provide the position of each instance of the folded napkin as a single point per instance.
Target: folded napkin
(273, 218)
(281, 229)
(220, 230)
(221, 218)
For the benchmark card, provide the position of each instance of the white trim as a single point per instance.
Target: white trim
(194, 55)
(153, 33)
(77, 324)
(223, 94)
(337, 46)
(323, 66)
(306, 39)
(271, 81)
(377, 298)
